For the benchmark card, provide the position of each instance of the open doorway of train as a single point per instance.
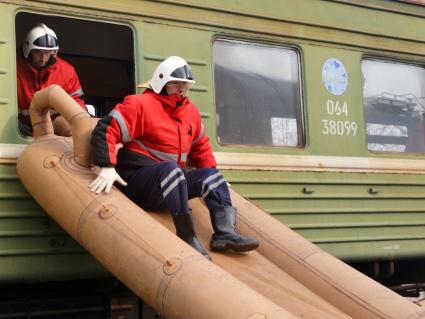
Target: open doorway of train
(101, 53)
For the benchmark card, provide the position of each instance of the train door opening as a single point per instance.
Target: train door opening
(101, 53)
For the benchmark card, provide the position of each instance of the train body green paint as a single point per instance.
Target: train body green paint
(356, 193)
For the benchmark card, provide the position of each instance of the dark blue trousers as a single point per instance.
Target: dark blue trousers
(166, 185)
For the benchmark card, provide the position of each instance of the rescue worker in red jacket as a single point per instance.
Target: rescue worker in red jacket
(38, 66)
(161, 131)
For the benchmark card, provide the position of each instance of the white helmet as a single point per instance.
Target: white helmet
(173, 68)
(40, 38)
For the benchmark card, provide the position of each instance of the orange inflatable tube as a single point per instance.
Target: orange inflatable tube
(160, 268)
(288, 277)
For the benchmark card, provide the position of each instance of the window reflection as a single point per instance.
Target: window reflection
(257, 93)
(394, 105)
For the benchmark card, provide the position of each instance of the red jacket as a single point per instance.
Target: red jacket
(31, 80)
(152, 128)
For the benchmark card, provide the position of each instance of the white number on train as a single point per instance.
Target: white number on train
(338, 127)
(334, 108)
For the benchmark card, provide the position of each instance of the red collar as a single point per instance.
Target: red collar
(49, 69)
(169, 100)
(34, 69)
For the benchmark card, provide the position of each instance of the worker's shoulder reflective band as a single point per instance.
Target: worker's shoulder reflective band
(200, 134)
(121, 123)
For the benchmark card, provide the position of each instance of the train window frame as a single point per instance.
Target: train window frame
(298, 108)
(395, 136)
(107, 70)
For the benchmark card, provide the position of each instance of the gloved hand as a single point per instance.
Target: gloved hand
(105, 180)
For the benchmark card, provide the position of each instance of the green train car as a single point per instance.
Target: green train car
(315, 110)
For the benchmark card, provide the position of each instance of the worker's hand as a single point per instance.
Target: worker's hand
(104, 181)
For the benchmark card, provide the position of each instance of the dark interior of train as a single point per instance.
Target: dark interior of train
(101, 53)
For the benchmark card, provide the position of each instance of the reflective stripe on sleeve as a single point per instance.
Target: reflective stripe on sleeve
(200, 134)
(79, 93)
(121, 123)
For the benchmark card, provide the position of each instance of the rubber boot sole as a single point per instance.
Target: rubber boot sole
(222, 245)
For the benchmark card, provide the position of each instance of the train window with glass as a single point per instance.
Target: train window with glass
(101, 54)
(394, 103)
(257, 94)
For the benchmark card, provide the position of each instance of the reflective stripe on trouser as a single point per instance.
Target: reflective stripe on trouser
(167, 185)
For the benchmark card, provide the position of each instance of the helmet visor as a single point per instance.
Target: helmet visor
(184, 73)
(46, 41)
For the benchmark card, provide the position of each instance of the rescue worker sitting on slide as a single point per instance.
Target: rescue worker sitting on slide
(161, 130)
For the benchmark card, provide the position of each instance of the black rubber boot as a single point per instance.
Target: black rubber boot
(225, 234)
(185, 229)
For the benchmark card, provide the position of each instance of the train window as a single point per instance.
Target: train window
(394, 103)
(101, 54)
(257, 94)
